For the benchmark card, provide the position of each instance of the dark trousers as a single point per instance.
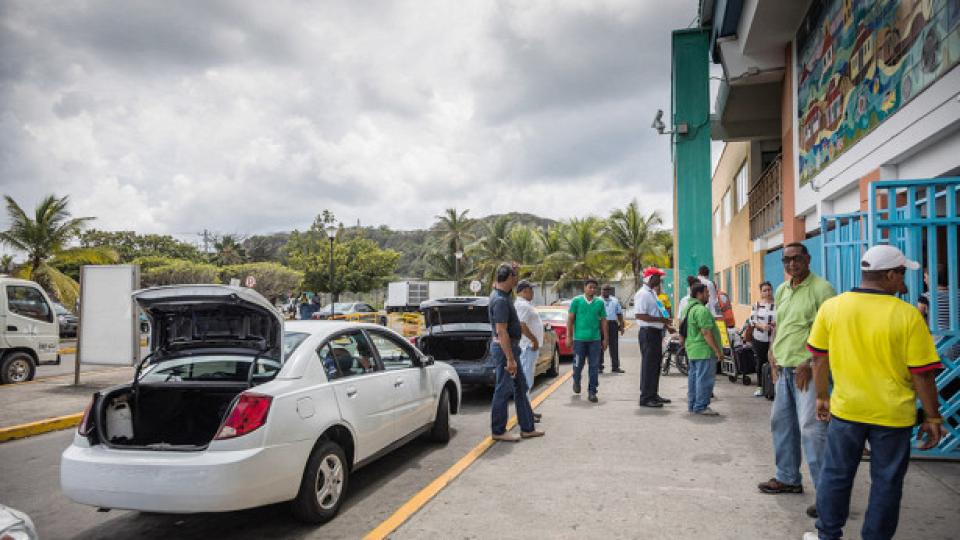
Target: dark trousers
(889, 458)
(613, 345)
(760, 350)
(507, 387)
(651, 351)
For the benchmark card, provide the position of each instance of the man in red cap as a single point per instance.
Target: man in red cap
(651, 320)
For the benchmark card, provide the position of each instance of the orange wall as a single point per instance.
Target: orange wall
(793, 229)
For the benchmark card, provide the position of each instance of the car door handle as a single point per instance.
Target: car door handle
(11, 328)
(352, 391)
(398, 383)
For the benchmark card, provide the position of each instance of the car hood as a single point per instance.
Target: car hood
(188, 319)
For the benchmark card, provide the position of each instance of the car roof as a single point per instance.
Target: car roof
(322, 328)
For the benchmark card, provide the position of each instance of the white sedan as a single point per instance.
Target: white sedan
(230, 411)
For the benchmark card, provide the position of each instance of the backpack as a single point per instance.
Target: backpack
(683, 327)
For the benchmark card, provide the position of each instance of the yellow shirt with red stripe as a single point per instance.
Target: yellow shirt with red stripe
(875, 341)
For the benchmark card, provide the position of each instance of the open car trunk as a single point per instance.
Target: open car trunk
(182, 416)
(454, 347)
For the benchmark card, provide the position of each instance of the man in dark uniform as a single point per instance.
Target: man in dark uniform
(506, 350)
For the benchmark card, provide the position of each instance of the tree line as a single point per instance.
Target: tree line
(55, 245)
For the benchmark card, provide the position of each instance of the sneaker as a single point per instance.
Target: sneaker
(708, 412)
(811, 536)
(758, 392)
(812, 511)
(775, 486)
(576, 387)
(593, 398)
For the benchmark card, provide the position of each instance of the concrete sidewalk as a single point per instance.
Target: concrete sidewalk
(55, 396)
(616, 470)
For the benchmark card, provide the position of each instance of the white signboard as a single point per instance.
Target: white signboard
(250, 282)
(234, 282)
(109, 329)
(474, 286)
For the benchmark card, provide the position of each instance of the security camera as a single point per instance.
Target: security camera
(658, 122)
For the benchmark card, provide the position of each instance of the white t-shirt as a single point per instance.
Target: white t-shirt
(712, 301)
(645, 303)
(528, 315)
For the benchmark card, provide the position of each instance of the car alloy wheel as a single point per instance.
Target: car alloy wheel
(329, 481)
(17, 367)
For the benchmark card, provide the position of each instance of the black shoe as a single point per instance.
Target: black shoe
(617, 370)
(652, 403)
(592, 398)
(576, 388)
(537, 417)
(662, 399)
(812, 511)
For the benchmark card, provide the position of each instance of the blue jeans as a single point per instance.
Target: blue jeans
(889, 457)
(528, 361)
(700, 378)
(589, 351)
(793, 421)
(507, 387)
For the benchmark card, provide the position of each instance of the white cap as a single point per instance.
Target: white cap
(886, 257)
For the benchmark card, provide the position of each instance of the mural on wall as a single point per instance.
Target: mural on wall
(859, 61)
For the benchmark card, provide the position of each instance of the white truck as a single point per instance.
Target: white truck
(29, 330)
(407, 295)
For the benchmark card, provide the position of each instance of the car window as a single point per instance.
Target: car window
(210, 368)
(364, 308)
(393, 353)
(553, 316)
(292, 340)
(29, 302)
(347, 355)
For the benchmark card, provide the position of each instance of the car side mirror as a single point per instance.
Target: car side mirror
(426, 360)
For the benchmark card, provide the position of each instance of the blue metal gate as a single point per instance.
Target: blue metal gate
(845, 239)
(921, 218)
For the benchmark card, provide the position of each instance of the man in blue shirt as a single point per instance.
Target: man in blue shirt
(614, 325)
(505, 350)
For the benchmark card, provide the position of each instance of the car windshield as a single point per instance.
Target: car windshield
(292, 340)
(553, 315)
(221, 368)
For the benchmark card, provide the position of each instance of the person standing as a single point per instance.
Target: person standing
(880, 356)
(651, 324)
(703, 350)
(762, 319)
(691, 281)
(531, 326)
(703, 274)
(615, 327)
(586, 326)
(505, 350)
(793, 419)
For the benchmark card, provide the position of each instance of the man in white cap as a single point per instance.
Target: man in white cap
(881, 356)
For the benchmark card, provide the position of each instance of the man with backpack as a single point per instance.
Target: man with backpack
(701, 338)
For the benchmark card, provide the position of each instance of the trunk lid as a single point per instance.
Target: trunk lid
(462, 313)
(195, 319)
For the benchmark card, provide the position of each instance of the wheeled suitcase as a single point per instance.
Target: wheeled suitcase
(746, 362)
(766, 382)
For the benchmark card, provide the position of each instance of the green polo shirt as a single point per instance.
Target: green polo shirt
(586, 325)
(699, 318)
(796, 309)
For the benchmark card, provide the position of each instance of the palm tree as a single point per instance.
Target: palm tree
(442, 265)
(580, 257)
(44, 238)
(548, 268)
(491, 249)
(522, 245)
(633, 240)
(455, 229)
(228, 250)
(6, 264)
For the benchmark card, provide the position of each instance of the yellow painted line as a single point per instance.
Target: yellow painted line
(415, 503)
(40, 426)
(67, 350)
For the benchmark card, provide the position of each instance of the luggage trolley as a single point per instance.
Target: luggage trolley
(738, 361)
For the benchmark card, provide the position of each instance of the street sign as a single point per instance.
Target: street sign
(250, 282)
(234, 282)
(475, 286)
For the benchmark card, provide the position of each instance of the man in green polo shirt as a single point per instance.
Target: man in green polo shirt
(793, 419)
(586, 323)
(702, 343)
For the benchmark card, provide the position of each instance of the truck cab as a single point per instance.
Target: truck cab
(29, 330)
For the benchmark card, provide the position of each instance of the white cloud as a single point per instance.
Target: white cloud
(253, 117)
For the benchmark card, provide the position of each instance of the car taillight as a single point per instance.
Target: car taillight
(86, 424)
(247, 414)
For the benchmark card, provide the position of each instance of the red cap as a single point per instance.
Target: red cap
(652, 271)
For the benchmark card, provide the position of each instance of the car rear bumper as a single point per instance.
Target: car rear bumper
(182, 482)
(476, 373)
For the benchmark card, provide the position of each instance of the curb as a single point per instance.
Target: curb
(39, 427)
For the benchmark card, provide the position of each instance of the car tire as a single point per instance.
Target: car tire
(323, 485)
(554, 364)
(440, 432)
(17, 367)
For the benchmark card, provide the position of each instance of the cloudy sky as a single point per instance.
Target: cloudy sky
(252, 117)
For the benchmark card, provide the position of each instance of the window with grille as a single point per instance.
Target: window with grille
(727, 281)
(743, 284)
(716, 221)
(727, 207)
(743, 186)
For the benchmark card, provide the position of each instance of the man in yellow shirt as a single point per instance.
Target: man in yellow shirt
(880, 354)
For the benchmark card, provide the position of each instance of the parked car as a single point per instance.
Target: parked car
(230, 411)
(29, 333)
(457, 331)
(67, 321)
(556, 318)
(356, 311)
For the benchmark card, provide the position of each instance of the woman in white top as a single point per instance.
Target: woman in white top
(762, 320)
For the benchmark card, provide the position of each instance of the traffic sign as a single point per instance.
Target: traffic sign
(475, 286)
(250, 282)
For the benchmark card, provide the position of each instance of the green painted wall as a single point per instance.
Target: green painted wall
(691, 153)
